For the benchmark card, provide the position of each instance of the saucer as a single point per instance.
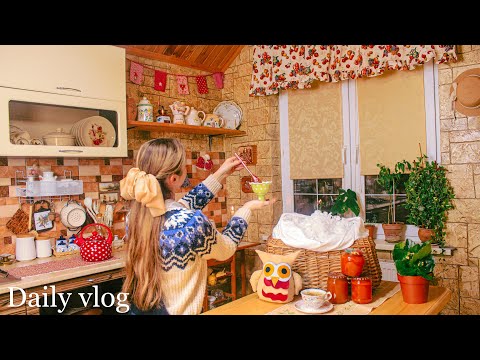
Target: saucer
(326, 307)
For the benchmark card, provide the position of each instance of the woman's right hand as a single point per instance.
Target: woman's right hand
(258, 204)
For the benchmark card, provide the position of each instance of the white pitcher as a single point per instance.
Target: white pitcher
(193, 117)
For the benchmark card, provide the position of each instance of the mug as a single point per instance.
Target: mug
(25, 247)
(44, 246)
(213, 120)
(315, 298)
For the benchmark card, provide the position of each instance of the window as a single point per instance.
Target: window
(367, 140)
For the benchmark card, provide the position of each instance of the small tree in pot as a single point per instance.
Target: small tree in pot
(414, 264)
(429, 197)
(390, 181)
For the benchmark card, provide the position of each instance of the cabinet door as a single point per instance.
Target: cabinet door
(95, 71)
(39, 113)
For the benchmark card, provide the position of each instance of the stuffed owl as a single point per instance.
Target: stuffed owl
(276, 282)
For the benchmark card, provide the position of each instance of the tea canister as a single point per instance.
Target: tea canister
(145, 110)
(337, 284)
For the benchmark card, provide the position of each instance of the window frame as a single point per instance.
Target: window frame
(351, 140)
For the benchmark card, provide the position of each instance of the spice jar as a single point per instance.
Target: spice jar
(337, 285)
(351, 262)
(362, 290)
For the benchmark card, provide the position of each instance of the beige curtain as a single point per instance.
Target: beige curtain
(391, 111)
(316, 132)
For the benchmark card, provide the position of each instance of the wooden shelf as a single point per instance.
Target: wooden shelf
(180, 128)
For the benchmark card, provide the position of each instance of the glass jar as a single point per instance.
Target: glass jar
(337, 284)
(352, 262)
(362, 290)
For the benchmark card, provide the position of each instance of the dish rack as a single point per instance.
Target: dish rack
(63, 189)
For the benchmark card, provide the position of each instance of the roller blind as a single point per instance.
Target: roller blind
(391, 111)
(316, 131)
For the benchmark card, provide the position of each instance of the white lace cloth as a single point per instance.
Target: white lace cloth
(320, 231)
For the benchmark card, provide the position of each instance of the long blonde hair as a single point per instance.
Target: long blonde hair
(161, 158)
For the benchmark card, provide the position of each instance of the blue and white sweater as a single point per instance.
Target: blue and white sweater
(188, 240)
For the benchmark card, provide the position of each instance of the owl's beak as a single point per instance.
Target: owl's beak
(274, 280)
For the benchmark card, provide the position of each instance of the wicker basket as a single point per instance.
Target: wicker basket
(314, 266)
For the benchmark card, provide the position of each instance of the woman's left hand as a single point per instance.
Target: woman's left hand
(228, 167)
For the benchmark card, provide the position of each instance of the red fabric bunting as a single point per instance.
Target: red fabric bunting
(218, 78)
(160, 80)
(136, 73)
(182, 83)
(202, 84)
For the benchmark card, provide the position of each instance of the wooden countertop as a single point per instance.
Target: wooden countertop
(438, 297)
(48, 278)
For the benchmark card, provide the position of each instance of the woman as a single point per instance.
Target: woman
(169, 242)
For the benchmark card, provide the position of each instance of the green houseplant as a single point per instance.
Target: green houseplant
(345, 201)
(390, 179)
(429, 197)
(414, 263)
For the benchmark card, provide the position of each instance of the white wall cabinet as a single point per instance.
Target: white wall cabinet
(95, 71)
(43, 88)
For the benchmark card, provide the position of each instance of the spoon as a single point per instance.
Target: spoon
(255, 178)
(88, 204)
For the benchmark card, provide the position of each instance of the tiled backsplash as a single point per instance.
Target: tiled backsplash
(92, 172)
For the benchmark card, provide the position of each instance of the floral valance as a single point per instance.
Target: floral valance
(278, 67)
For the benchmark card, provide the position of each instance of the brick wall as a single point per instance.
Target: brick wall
(460, 148)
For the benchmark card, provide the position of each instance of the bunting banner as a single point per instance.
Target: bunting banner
(136, 73)
(202, 84)
(182, 83)
(160, 80)
(218, 78)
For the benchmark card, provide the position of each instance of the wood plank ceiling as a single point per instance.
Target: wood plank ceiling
(210, 58)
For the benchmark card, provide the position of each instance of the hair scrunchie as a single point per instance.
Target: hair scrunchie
(145, 189)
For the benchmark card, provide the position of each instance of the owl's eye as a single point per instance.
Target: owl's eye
(284, 271)
(268, 269)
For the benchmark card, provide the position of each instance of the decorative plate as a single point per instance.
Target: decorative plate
(231, 114)
(97, 131)
(326, 307)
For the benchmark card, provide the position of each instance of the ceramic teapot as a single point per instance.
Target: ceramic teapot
(213, 120)
(95, 247)
(193, 117)
(179, 109)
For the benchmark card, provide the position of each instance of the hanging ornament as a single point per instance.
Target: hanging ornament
(136, 73)
(182, 83)
(160, 80)
(202, 84)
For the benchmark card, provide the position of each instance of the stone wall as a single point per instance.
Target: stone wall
(460, 148)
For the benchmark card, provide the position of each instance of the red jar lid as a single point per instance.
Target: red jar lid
(336, 275)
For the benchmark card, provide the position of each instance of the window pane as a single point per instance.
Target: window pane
(377, 208)
(305, 186)
(325, 202)
(305, 204)
(329, 186)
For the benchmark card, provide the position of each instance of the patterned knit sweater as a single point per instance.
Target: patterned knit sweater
(188, 240)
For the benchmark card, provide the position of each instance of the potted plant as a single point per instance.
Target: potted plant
(371, 226)
(429, 197)
(390, 180)
(346, 201)
(414, 263)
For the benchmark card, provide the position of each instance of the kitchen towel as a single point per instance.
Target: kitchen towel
(160, 80)
(182, 83)
(136, 73)
(202, 84)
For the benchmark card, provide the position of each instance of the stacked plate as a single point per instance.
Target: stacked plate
(94, 131)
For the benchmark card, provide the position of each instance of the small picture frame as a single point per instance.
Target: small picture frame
(108, 187)
(42, 220)
(109, 198)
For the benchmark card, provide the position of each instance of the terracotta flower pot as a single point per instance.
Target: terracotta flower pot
(371, 231)
(393, 232)
(414, 289)
(425, 234)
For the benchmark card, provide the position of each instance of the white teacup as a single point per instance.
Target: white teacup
(315, 298)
